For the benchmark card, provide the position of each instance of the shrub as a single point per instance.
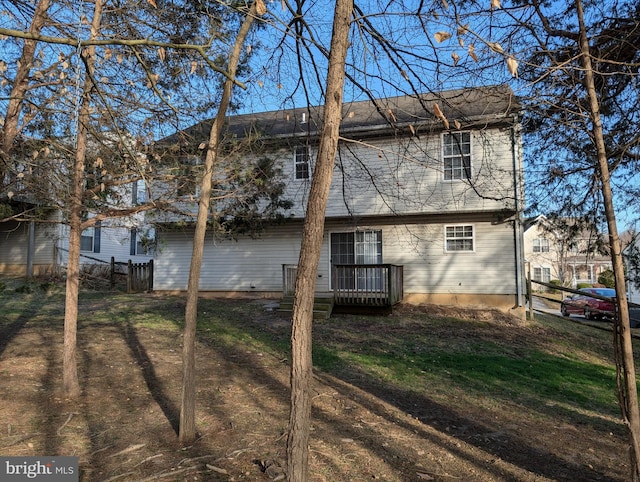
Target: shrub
(555, 282)
(606, 278)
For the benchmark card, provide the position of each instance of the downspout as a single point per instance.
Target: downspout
(517, 223)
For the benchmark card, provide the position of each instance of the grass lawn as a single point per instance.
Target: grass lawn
(529, 400)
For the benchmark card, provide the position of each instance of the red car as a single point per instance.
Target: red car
(591, 308)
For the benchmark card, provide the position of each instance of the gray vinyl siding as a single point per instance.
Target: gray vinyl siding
(14, 239)
(378, 179)
(393, 184)
(256, 264)
(428, 268)
(405, 176)
(228, 265)
(490, 269)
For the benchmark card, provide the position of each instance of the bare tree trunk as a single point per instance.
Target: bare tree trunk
(188, 407)
(302, 318)
(20, 86)
(69, 367)
(629, 399)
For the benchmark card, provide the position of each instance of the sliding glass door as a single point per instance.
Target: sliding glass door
(357, 248)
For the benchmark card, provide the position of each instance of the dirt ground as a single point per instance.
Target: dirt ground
(124, 426)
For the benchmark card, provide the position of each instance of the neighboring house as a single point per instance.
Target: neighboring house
(631, 256)
(42, 247)
(439, 207)
(554, 254)
(541, 251)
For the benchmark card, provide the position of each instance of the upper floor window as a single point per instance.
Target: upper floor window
(188, 176)
(301, 162)
(540, 245)
(459, 238)
(138, 192)
(456, 155)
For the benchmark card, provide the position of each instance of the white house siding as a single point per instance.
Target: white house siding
(244, 265)
(429, 269)
(632, 273)
(255, 265)
(51, 247)
(114, 242)
(14, 242)
(375, 178)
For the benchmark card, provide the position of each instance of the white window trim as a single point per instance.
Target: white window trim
(295, 163)
(442, 156)
(541, 242)
(542, 271)
(473, 238)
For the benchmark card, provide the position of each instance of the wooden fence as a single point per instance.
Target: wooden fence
(139, 275)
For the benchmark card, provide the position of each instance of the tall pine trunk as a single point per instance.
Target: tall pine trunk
(628, 393)
(302, 318)
(69, 365)
(188, 406)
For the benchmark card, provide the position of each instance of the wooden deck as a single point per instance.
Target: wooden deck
(367, 285)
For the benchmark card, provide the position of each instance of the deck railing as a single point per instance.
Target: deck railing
(357, 284)
(367, 284)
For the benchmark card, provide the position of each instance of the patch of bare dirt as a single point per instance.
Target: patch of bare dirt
(124, 425)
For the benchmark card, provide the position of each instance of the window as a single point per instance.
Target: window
(90, 239)
(142, 242)
(301, 162)
(138, 192)
(542, 274)
(456, 155)
(540, 245)
(459, 238)
(188, 176)
(86, 242)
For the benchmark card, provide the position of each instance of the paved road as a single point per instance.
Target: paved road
(634, 312)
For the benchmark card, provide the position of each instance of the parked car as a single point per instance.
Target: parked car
(591, 308)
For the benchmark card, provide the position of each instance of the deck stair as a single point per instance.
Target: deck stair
(322, 306)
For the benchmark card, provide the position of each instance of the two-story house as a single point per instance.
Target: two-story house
(439, 201)
(563, 251)
(41, 247)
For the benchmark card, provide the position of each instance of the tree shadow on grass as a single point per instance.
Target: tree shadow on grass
(442, 426)
(154, 383)
(9, 331)
(497, 443)
(369, 392)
